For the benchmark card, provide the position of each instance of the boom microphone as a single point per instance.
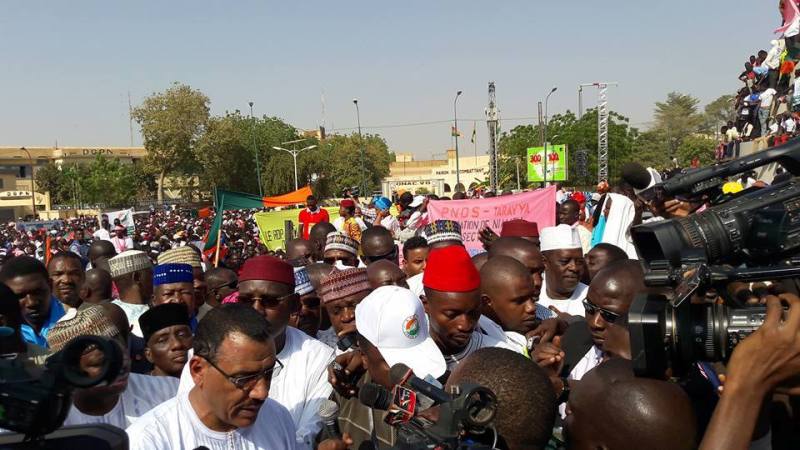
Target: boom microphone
(401, 374)
(329, 412)
(636, 175)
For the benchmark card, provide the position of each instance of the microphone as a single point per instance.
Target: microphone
(400, 404)
(636, 175)
(329, 412)
(375, 396)
(401, 374)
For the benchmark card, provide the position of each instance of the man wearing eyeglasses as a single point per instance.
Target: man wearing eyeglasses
(221, 283)
(233, 364)
(267, 285)
(604, 334)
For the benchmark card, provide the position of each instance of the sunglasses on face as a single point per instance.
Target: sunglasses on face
(331, 260)
(592, 309)
(248, 382)
(266, 302)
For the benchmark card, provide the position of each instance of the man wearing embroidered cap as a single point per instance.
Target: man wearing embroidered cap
(267, 284)
(562, 290)
(341, 250)
(392, 328)
(307, 317)
(174, 283)
(130, 395)
(340, 292)
(132, 272)
(453, 303)
(443, 233)
(189, 254)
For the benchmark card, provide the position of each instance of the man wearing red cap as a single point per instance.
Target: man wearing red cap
(268, 285)
(347, 222)
(453, 303)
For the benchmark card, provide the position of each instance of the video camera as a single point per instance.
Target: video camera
(35, 404)
(751, 236)
(464, 419)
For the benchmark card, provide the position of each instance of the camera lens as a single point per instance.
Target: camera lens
(91, 360)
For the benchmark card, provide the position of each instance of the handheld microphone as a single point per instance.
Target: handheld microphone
(636, 175)
(375, 396)
(329, 412)
(400, 404)
(401, 374)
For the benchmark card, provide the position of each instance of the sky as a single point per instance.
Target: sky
(69, 67)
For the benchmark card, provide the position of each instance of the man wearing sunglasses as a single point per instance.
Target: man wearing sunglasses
(341, 251)
(603, 335)
(267, 285)
(221, 283)
(233, 364)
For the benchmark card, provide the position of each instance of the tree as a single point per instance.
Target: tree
(677, 118)
(718, 113)
(652, 149)
(171, 121)
(577, 134)
(700, 146)
(49, 179)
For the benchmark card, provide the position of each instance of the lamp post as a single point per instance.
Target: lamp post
(546, 99)
(294, 153)
(455, 133)
(361, 144)
(255, 149)
(33, 182)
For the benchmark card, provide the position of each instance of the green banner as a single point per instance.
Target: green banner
(556, 166)
(272, 228)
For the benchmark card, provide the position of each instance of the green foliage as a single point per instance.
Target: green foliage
(106, 182)
(338, 162)
(700, 146)
(677, 118)
(171, 121)
(718, 113)
(577, 134)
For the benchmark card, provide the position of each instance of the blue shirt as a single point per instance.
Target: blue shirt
(56, 312)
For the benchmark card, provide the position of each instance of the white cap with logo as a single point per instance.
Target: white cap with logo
(393, 320)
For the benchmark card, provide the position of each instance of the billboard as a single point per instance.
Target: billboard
(556, 166)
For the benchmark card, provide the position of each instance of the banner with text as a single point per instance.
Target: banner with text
(272, 225)
(537, 206)
(556, 158)
(125, 217)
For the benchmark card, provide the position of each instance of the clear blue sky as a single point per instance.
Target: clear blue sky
(68, 66)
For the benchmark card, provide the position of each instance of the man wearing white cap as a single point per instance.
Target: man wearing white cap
(132, 272)
(392, 328)
(562, 290)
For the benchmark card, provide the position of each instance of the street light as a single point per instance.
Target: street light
(363, 189)
(33, 182)
(255, 149)
(294, 153)
(547, 99)
(455, 133)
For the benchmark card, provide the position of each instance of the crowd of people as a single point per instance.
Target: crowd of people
(246, 353)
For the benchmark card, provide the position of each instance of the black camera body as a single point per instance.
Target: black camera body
(35, 404)
(751, 236)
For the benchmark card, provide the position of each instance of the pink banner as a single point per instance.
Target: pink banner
(538, 206)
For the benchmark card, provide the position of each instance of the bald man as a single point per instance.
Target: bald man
(607, 303)
(611, 409)
(96, 287)
(378, 244)
(480, 259)
(527, 253)
(509, 310)
(317, 236)
(601, 256)
(300, 250)
(386, 273)
(101, 249)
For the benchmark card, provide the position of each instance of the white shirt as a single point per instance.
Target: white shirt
(339, 223)
(122, 244)
(133, 312)
(477, 342)
(572, 305)
(391, 224)
(144, 392)
(328, 337)
(590, 360)
(174, 425)
(789, 125)
(492, 329)
(300, 387)
(766, 97)
(415, 284)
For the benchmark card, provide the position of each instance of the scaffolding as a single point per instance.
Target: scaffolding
(602, 124)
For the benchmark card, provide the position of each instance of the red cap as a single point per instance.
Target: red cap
(450, 269)
(579, 197)
(347, 203)
(519, 228)
(268, 268)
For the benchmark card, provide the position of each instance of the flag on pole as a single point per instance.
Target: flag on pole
(454, 132)
(474, 132)
(228, 200)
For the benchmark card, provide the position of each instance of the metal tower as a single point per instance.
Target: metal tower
(602, 124)
(492, 119)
